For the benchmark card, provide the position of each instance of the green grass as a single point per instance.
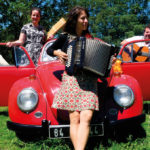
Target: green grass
(139, 139)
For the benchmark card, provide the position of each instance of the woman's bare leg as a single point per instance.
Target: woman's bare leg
(83, 129)
(74, 125)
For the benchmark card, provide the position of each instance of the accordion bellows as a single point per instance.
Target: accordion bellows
(93, 55)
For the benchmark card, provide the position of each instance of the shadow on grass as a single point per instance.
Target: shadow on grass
(119, 135)
(30, 137)
(122, 134)
(45, 141)
(4, 113)
(146, 108)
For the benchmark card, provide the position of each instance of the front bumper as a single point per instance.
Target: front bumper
(29, 129)
(44, 128)
(127, 122)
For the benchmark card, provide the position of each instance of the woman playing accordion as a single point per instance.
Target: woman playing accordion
(78, 92)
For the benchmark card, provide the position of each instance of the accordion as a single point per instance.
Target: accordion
(89, 54)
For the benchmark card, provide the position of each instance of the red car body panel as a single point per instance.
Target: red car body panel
(137, 107)
(50, 76)
(44, 81)
(19, 116)
(10, 74)
(139, 70)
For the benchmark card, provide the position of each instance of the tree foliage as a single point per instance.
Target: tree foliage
(114, 20)
(110, 20)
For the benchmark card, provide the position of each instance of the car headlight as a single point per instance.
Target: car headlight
(27, 100)
(123, 95)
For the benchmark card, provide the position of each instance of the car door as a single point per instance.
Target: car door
(12, 68)
(138, 66)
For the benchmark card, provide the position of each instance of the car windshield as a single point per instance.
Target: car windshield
(45, 56)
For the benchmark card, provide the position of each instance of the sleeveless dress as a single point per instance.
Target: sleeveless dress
(77, 92)
(35, 38)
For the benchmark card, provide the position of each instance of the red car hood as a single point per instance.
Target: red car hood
(50, 80)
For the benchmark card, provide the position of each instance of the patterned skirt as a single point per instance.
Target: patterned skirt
(77, 93)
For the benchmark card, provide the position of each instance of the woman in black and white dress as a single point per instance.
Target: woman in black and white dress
(32, 36)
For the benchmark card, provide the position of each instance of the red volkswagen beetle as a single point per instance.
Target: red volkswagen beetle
(28, 90)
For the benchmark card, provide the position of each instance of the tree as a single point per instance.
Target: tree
(114, 20)
(18, 14)
(110, 20)
(12, 17)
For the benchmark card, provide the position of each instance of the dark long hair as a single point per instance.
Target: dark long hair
(70, 26)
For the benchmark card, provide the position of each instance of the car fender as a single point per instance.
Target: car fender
(137, 107)
(16, 115)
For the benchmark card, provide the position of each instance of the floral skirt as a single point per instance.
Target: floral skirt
(77, 93)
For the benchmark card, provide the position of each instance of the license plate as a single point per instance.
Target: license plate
(59, 131)
(62, 131)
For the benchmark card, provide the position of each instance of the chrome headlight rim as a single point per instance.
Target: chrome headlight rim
(125, 101)
(30, 96)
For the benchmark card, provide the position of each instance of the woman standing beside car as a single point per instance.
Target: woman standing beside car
(32, 35)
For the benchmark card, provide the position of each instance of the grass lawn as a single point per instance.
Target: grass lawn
(138, 139)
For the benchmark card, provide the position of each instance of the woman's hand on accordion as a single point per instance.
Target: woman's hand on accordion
(62, 56)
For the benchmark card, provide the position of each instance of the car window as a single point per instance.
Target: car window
(136, 52)
(20, 57)
(6, 56)
(11, 56)
(45, 56)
